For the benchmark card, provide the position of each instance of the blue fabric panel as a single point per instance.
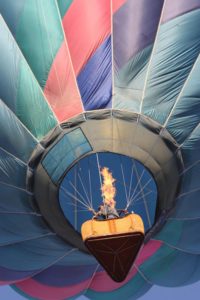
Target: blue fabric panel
(33, 255)
(176, 49)
(11, 275)
(71, 146)
(42, 253)
(185, 115)
(171, 267)
(188, 204)
(190, 148)
(12, 130)
(77, 258)
(15, 228)
(95, 79)
(63, 276)
(12, 170)
(14, 200)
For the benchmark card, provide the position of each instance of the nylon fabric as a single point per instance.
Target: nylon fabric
(95, 79)
(40, 37)
(20, 90)
(9, 167)
(178, 8)
(183, 238)
(22, 203)
(138, 18)
(185, 113)
(11, 130)
(12, 229)
(87, 36)
(129, 82)
(170, 267)
(57, 59)
(57, 160)
(33, 255)
(64, 6)
(187, 203)
(176, 49)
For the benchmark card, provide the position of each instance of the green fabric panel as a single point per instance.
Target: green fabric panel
(133, 289)
(173, 230)
(64, 6)
(158, 264)
(31, 107)
(39, 35)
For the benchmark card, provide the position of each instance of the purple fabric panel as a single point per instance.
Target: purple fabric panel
(134, 28)
(174, 8)
(61, 276)
(13, 275)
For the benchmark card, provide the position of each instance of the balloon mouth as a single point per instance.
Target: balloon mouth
(121, 133)
(85, 188)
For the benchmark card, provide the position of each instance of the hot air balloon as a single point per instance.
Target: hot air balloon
(87, 84)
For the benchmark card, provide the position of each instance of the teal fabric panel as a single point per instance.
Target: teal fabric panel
(129, 82)
(19, 89)
(64, 6)
(185, 114)
(70, 147)
(182, 235)
(133, 289)
(170, 267)
(175, 50)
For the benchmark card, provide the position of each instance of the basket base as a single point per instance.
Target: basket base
(116, 253)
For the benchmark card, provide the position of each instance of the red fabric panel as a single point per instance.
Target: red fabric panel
(87, 24)
(61, 89)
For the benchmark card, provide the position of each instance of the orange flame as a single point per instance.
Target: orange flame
(108, 189)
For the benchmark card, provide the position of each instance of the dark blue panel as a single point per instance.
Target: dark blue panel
(95, 80)
(134, 28)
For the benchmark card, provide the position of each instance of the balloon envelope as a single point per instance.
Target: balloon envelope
(83, 85)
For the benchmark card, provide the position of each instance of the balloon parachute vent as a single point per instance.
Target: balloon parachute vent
(115, 243)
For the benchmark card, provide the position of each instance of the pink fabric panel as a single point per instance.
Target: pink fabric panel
(87, 24)
(44, 292)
